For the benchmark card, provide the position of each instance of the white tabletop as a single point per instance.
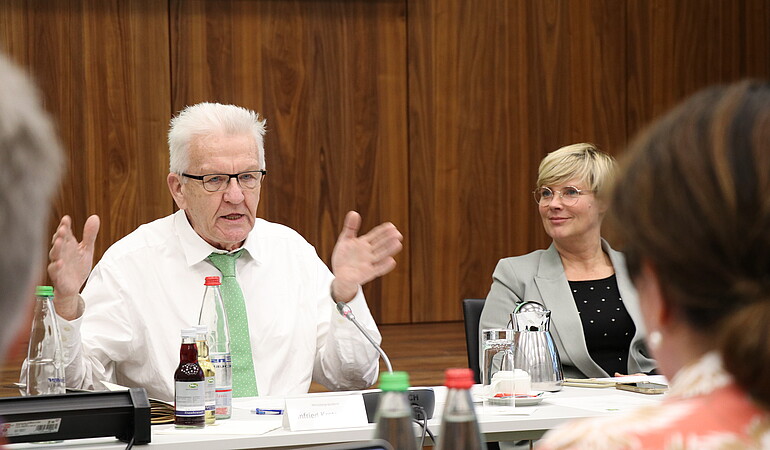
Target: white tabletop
(527, 422)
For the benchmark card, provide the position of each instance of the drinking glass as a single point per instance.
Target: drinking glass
(498, 380)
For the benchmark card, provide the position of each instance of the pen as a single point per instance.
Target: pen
(273, 412)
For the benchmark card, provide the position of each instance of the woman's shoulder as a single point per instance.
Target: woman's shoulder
(725, 418)
(529, 262)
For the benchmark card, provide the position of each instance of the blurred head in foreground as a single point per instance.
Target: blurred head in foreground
(31, 166)
(691, 204)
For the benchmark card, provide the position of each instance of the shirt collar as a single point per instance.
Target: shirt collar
(701, 377)
(196, 249)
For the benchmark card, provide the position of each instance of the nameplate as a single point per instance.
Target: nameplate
(324, 412)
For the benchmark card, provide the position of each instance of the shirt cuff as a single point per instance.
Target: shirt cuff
(70, 332)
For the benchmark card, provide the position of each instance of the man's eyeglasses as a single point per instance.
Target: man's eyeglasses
(569, 195)
(215, 182)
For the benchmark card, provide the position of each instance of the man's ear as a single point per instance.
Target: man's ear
(175, 187)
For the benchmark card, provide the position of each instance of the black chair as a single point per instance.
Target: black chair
(471, 314)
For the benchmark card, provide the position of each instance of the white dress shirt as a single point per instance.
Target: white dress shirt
(149, 285)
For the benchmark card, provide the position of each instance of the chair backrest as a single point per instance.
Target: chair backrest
(472, 308)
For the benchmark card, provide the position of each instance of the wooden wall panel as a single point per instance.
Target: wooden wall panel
(329, 77)
(677, 48)
(103, 69)
(493, 87)
(433, 114)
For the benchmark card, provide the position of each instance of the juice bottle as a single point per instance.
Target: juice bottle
(189, 385)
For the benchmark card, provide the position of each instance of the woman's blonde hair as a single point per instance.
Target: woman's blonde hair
(583, 161)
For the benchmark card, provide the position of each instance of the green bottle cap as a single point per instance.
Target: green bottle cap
(44, 291)
(395, 381)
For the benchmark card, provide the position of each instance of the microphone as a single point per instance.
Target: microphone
(423, 400)
(347, 313)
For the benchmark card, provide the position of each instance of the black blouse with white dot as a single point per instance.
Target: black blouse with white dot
(606, 324)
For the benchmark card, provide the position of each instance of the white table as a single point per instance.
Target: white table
(558, 407)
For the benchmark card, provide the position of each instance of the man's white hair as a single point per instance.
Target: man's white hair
(211, 118)
(31, 167)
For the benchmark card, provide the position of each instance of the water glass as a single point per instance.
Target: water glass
(497, 369)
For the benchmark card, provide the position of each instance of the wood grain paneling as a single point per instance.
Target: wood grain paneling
(329, 77)
(433, 114)
(103, 69)
(677, 48)
(493, 87)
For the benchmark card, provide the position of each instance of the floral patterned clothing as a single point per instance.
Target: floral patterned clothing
(704, 410)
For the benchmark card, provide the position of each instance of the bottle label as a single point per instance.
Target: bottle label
(223, 368)
(224, 383)
(224, 403)
(190, 398)
(44, 376)
(221, 360)
(211, 393)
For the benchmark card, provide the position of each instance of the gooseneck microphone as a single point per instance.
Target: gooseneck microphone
(423, 400)
(347, 313)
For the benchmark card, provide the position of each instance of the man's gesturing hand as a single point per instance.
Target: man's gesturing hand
(359, 259)
(70, 263)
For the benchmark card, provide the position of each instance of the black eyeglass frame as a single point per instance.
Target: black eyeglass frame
(229, 176)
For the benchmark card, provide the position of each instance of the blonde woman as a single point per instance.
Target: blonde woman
(595, 317)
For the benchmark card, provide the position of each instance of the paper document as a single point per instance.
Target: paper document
(612, 381)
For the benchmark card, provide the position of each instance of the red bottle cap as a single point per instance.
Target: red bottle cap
(458, 378)
(212, 281)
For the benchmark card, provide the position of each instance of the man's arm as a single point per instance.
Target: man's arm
(345, 359)
(70, 264)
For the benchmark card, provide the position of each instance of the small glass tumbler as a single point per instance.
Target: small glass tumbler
(497, 370)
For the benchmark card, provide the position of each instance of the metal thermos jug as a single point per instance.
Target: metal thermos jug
(534, 348)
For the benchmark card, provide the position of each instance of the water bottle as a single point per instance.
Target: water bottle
(394, 413)
(45, 360)
(189, 385)
(201, 340)
(459, 428)
(213, 315)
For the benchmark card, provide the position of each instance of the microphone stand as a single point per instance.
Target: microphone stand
(347, 313)
(423, 400)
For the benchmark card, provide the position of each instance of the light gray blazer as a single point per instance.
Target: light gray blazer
(539, 276)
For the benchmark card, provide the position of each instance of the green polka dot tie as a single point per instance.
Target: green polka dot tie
(244, 380)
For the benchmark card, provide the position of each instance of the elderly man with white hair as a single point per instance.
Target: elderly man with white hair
(124, 326)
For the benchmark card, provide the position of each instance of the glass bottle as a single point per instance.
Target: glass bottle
(394, 413)
(45, 361)
(189, 390)
(201, 341)
(214, 316)
(459, 428)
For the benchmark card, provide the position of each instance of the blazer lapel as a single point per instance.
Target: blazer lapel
(565, 320)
